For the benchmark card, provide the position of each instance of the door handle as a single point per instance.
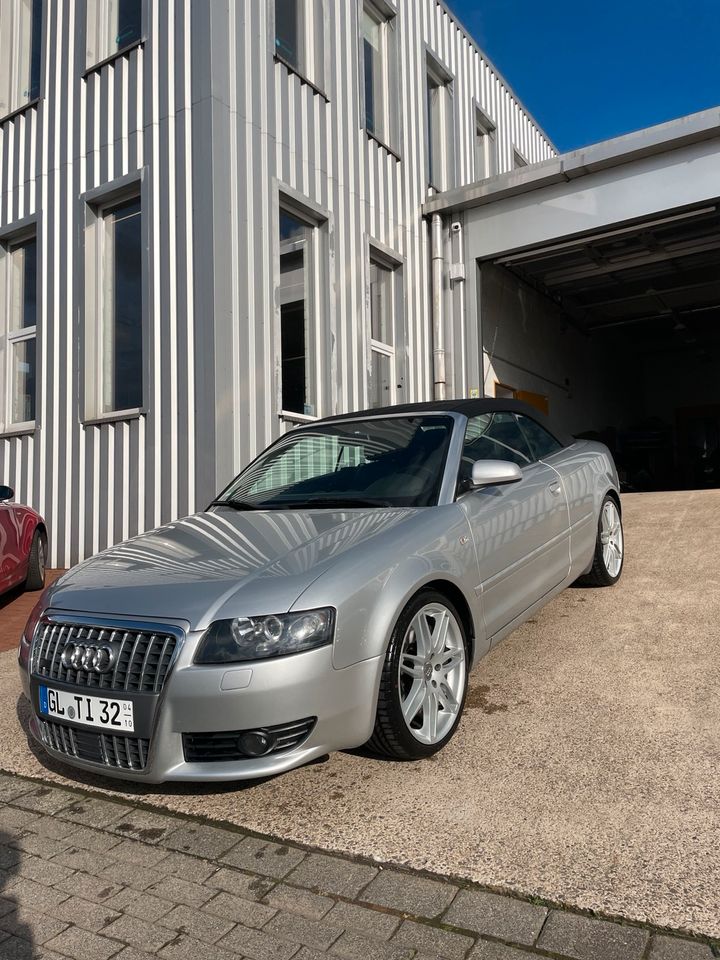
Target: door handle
(555, 488)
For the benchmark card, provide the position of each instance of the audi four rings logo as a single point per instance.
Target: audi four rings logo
(80, 656)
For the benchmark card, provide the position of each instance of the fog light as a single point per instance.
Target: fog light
(255, 743)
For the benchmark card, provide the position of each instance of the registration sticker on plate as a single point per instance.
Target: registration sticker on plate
(89, 711)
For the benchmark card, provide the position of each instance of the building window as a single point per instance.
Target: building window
(300, 37)
(440, 127)
(385, 299)
(20, 53)
(297, 313)
(379, 58)
(112, 25)
(21, 308)
(518, 160)
(485, 147)
(114, 304)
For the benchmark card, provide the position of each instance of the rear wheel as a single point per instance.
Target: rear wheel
(609, 548)
(424, 680)
(36, 563)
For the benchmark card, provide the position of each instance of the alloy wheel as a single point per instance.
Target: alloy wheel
(611, 538)
(432, 672)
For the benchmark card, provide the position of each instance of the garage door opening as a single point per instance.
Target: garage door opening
(618, 334)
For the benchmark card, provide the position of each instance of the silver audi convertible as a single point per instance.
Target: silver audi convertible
(336, 594)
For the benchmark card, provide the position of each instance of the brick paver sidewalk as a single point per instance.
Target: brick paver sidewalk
(91, 879)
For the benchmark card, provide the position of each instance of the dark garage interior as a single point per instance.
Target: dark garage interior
(647, 298)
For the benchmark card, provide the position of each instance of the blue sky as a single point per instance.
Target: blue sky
(589, 71)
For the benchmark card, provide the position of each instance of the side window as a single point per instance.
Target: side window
(111, 26)
(19, 278)
(300, 37)
(20, 53)
(379, 56)
(494, 436)
(114, 307)
(541, 442)
(303, 286)
(440, 132)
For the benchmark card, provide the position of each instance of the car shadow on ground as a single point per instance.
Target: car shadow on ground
(86, 779)
(21, 943)
(11, 596)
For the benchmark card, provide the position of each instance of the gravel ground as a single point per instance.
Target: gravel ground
(586, 768)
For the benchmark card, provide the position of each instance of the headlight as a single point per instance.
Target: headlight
(32, 622)
(260, 638)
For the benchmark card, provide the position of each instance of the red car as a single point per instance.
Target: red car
(23, 545)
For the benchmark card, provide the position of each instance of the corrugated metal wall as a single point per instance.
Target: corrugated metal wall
(100, 483)
(216, 123)
(285, 136)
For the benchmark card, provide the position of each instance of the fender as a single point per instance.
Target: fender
(437, 545)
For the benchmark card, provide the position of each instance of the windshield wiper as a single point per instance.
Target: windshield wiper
(236, 504)
(330, 502)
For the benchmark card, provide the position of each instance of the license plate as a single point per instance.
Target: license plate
(89, 711)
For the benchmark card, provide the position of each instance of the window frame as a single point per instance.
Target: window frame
(97, 204)
(524, 416)
(313, 18)
(14, 111)
(89, 68)
(481, 121)
(386, 259)
(11, 237)
(442, 80)
(317, 273)
(386, 18)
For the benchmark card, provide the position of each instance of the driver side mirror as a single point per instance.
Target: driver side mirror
(492, 473)
(6, 493)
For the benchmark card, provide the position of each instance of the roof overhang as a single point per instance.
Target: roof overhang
(632, 147)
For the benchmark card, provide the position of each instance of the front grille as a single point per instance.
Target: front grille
(142, 659)
(223, 746)
(125, 753)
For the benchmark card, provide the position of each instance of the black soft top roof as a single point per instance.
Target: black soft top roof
(469, 408)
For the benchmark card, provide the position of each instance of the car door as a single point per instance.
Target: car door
(521, 530)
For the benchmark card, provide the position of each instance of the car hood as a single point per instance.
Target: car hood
(221, 563)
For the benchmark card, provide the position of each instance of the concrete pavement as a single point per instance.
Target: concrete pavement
(585, 772)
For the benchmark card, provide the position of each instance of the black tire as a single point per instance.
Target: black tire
(391, 737)
(36, 563)
(599, 575)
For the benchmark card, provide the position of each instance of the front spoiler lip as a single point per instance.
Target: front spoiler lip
(259, 769)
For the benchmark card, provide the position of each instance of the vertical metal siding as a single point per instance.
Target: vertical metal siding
(366, 190)
(99, 483)
(102, 482)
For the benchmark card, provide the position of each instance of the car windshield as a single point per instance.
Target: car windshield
(384, 461)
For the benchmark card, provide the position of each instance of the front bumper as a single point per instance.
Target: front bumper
(246, 697)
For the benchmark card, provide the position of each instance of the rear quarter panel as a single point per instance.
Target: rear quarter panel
(588, 472)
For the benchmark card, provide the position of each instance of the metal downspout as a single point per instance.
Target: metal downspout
(438, 319)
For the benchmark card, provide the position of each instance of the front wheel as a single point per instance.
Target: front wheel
(609, 548)
(36, 563)
(424, 680)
